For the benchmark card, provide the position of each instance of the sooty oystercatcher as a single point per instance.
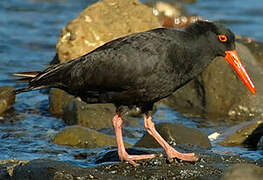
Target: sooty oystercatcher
(139, 70)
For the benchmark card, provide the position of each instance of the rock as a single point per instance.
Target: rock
(76, 112)
(77, 136)
(211, 166)
(112, 155)
(58, 101)
(254, 46)
(44, 169)
(4, 173)
(94, 116)
(102, 22)
(226, 93)
(243, 172)
(253, 138)
(188, 99)
(7, 98)
(218, 91)
(246, 133)
(175, 134)
(7, 167)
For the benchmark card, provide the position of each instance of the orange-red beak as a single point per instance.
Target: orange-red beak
(233, 59)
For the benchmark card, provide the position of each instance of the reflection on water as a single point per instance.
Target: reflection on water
(28, 33)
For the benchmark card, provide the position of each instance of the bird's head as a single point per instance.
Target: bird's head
(221, 41)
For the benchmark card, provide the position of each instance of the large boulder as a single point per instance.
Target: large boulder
(102, 22)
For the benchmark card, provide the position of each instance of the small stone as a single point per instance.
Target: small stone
(213, 136)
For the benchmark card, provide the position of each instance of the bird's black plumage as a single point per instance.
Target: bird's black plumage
(138, 69)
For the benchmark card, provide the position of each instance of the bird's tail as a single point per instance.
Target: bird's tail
(25, 77)
(52, 77)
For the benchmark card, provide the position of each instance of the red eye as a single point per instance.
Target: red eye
(222, 38)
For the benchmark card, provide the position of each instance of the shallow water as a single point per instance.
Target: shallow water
(28, 33)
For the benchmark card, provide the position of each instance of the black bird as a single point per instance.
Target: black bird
(141, 69)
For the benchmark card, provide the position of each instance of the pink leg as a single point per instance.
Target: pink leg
(170, 151)
(123, 155)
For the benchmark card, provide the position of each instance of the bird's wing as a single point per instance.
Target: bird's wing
(121, 64)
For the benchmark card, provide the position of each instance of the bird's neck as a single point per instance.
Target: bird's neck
(197, 55)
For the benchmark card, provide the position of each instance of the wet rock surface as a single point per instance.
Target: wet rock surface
(7, 167)
(4, 172)
(7, 98)
(175, 134)
(253, 139)
(246, 133)
(43, 169)
(211, 166)
(77, 136)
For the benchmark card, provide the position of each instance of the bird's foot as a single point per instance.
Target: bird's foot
(124, 156)
(172, 153)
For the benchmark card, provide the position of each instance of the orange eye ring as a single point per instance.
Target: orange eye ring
(222, 38)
